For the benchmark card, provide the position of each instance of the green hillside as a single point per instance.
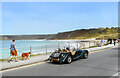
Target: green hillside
(98, 33)
(113, 32)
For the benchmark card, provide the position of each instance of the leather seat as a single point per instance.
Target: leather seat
(73, 53)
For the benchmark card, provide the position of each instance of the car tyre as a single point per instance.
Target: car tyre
(85, 55)
(69, 59)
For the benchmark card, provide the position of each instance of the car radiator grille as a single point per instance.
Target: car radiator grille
(56, 54)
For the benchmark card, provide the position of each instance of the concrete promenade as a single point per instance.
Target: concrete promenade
(41, 58)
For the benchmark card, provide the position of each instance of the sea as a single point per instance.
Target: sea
(34, 46)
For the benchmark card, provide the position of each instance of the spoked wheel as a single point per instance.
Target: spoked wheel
(85, 55)
(69, 59)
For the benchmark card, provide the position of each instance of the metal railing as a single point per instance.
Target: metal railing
(45, 49)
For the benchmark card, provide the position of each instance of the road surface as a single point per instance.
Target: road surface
(102, 63)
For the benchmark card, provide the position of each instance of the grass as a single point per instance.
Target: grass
(3, 60)
(94, 46)
(30, 56)
(99, 33)
(7, 59)
(91, 47)
(41, 54)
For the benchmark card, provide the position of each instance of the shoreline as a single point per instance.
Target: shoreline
(54, 39)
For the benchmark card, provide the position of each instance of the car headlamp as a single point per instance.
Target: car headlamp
(63, 56)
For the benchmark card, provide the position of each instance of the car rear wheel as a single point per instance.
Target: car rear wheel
(69, 59)
(85, 55)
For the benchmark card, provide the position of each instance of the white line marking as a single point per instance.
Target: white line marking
(115, 74)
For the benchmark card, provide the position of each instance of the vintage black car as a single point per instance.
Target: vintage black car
(63, 55)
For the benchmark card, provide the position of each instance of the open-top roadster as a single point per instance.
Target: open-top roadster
(67, 55)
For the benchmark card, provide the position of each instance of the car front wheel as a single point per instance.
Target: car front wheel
(69, 59)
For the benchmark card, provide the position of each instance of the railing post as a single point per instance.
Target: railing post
(81, 45)
(46, 49)
(84, 44)
(77, 45)
(68, 44)
(94, 43)
(19, 55)
(58, 46)
(30, 51)
(89, 44)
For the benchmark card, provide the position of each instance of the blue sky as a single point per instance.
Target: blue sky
(19, 18)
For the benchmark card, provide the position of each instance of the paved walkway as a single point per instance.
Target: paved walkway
(103, 47)
(32, 59)
(40, 58)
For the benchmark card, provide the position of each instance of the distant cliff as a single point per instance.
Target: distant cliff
(98, 33)
(24, 37)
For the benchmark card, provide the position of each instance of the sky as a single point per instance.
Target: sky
(26, 18)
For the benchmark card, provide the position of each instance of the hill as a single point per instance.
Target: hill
(24, 37)
(98, 33)
(113, 32)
